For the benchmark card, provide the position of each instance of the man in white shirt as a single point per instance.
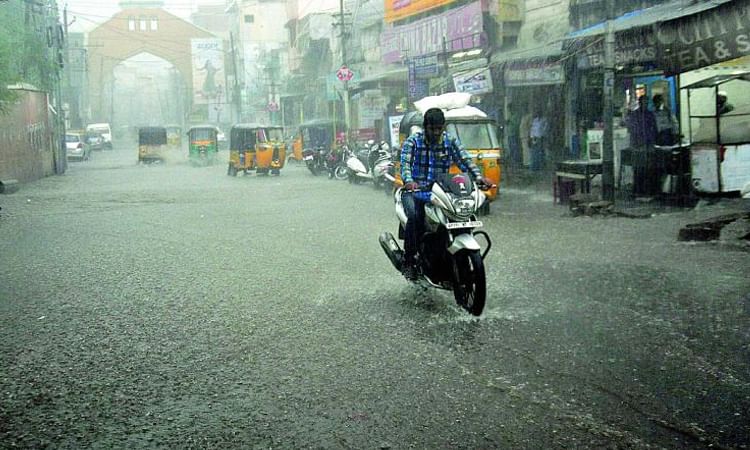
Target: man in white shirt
(538, 135)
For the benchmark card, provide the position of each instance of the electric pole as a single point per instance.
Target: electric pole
(608, 153)
(347, 120)
(236, 88)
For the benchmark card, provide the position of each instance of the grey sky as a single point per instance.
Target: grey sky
(87, 14)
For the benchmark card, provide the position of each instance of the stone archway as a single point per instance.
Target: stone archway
(131, 32)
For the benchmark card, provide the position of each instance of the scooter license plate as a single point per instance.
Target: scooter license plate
(469, 224)
(308, 158)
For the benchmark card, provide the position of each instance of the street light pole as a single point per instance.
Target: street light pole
(608, 170)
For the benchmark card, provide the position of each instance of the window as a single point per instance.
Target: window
(249, 18)
(131, 24)
(143, 24)
(154, 23)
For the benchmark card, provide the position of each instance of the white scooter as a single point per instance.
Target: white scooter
(373, 168)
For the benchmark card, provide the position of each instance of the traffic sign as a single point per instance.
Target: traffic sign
(344, 73)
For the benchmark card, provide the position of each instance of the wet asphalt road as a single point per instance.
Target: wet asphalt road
(172, 306)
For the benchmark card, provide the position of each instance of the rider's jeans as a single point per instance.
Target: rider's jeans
(414, 209)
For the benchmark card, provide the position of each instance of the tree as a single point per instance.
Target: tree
(24, 48)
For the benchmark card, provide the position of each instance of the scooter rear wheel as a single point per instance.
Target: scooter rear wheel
(469, 281)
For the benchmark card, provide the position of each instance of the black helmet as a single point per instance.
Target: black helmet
(433, 116)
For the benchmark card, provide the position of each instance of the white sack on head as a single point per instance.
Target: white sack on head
(451, 100)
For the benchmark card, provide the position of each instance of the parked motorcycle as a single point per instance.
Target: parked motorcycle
(370, 164)
(449, 256)
(315, 159)
(337, 164)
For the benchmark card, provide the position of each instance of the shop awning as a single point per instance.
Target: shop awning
(532, 67)
(718, 79)
(398, 74)
(548, 52)
(648, 17)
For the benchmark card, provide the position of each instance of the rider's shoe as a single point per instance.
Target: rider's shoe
(410, 272)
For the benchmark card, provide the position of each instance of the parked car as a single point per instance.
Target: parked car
(104, 130)
(95, 141)
(76, 147)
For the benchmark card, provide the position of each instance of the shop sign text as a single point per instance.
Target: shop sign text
(707, 38)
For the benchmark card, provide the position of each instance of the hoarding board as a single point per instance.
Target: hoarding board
(401, 9)
(208, 69)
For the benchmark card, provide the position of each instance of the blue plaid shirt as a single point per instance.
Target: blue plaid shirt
(422, 163)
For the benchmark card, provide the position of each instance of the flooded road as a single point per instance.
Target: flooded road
(175, 306)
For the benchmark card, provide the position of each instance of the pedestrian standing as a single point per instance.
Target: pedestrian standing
(667, 128)
(641, 125)
(523, 133)
(538, 136)
(512, 129)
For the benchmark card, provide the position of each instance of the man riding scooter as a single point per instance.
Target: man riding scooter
(424, 156)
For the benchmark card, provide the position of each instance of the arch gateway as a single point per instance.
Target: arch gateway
(196, 54)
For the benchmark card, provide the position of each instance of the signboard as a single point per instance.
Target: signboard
(208, 69)
(534, 74)
(426, 66)
(371, 107)
(462, 28)
(393, 124)
(474, 81)
(344, 74)
(632, 48)
(400, 9)
(712, 36)
(418, 87)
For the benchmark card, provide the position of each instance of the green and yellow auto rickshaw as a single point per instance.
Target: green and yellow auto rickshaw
(174, 138)
(256, 147)
(203, 144)
(152, 144)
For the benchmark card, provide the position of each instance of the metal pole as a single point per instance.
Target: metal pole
(235, 91)
(608, 172)
(347, 120)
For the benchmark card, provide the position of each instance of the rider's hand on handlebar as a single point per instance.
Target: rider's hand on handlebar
(484, 184)
(411, 187)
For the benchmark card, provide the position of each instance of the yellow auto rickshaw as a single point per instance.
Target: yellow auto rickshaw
(256, 147)
(270, 150)
(152, 144)
(475, 131)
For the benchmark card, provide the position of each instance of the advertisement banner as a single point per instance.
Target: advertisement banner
(393, 123)
(706, 38)
(473, 81)
(400, 9)
(461, 27)
(208, 69)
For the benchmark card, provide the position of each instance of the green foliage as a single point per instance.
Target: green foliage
(23, 48)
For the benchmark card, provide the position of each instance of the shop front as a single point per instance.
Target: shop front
(709, 52)
(535, 100)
